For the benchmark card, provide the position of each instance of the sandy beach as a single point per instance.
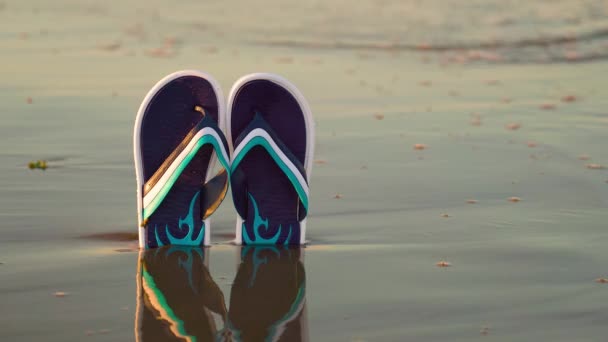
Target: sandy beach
(459, 190)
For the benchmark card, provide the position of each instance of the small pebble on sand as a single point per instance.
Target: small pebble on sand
(569, 98)
(378, 116)
(532, 144)
(425, 83)
(601, 280)
(443, 263)
(547, 106)
(513, 126)
(514, 199)
(423, 46)
(420, 147)
(60, 294)
(594, 166)
(170, 41)
(29, 100)
(320, 162)
(572, 56)
(584, 157)
(472, 201)
(338, 196)
(444, 215)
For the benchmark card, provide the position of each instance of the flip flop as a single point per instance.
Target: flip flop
(177, 140)
(271, 137)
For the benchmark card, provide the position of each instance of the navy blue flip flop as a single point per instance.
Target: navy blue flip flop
(271, 137)
(177, 140)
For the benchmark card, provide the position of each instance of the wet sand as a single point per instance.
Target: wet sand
(494, 167)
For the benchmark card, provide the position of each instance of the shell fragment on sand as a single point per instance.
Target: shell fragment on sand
(568, 98)
(513, 126)
(547, 106)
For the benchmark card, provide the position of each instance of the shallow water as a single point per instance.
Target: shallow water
(521, 271)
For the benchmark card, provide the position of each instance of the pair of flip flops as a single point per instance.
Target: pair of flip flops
(263, 140)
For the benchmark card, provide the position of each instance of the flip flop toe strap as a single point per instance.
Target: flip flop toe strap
(206, 132)
(259, 134)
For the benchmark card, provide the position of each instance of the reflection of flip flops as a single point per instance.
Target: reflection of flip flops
(177, 138)
(176, 296)
(268, 297)
(271, 135)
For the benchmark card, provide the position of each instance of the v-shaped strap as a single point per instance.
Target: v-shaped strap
(206, 132)
(259, 133)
